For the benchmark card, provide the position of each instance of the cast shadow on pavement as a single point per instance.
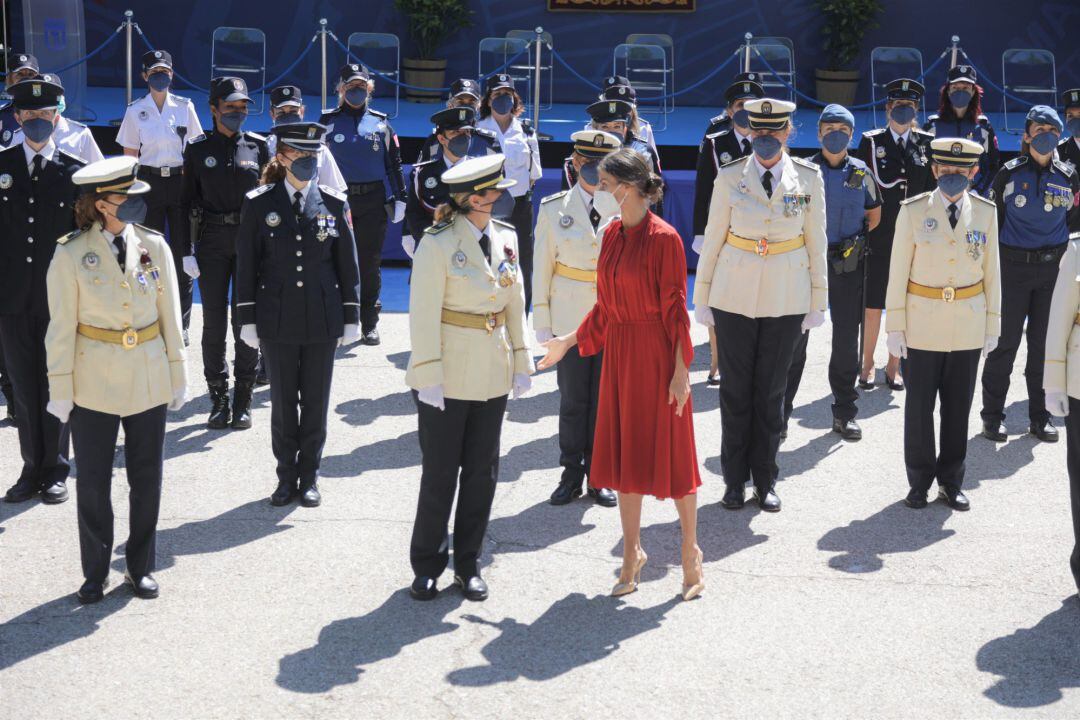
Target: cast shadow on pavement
(1035, 664)
(540, 526)
(817, 415)
(894, 529)
(721, 533)
(245, 524)
(364, 411)
(10, 510)
(538, 454)
(389, 454)
(56, 623)
(791, 462)
(346, 647)
(533, 407)
(572, 633)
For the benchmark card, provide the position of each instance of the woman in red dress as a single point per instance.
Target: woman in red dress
(644, 443)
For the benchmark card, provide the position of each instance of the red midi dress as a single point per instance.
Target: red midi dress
(641, 445)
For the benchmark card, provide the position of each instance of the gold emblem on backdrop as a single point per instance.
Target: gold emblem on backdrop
(644, 6)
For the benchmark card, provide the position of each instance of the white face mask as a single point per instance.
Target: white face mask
(606, 203)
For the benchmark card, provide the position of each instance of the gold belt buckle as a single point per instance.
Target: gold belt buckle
(761, 247)
(165, 171)
(948, 294)
(489, 323)
(130, 338)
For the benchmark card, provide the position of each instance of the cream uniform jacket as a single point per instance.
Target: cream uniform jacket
(1061, 369)
(564, 234)
(747, 283)
(928, 251)
(470, 363)
(86, 285)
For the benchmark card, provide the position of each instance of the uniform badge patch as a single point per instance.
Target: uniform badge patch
(743, 188)
(339, 138)
(143, 115)
(273, 219)
(90, 260)
(1020, 201)
(459, 259)
(880, 152)
(725, 157)
(430, 183)
(930, 224)
(5, 181)
(566, 221)
(210, 162)
(7, 135)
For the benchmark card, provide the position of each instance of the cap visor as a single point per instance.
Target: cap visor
(139, 187)
(505, 183)
(302, 145)
(157, 65)
(233, 97)
(470, 93)
(291, 102)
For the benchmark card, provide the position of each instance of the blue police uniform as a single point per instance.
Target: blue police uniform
(483, 142)
(1035, 206)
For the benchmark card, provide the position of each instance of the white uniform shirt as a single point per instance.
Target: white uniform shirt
(154, 133)
(73, 138)
(46, 152)
(522, 154)
(329, 173)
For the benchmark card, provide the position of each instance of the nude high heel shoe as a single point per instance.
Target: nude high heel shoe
(625, 588)
(692, 590)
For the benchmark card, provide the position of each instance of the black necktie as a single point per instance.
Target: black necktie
(954, 214)
(485, 246)
(121, 250)
(38, 165)
(745, 146)
(766, 182)
(900, 144)
(297, 210)
(594, 218)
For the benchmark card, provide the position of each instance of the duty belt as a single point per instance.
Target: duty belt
(763, 247)
(1043, 255)
(163, 171)
(128, 338)
(365, 187)
(232, 218)
(487, 321)
(948, 294)
(574, 273)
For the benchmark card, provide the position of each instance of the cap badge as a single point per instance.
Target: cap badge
(566, 221)
(238, 85)
(904, 85)
(746, 87)
(354, 68)
(964, 69)
(311, 133)
(611, 107)
(766, 108)
(5, 181)
(1075, 96)
(622, 90)
(751, 76)
(22, 58)
(598, 140)
(611, 80)
(36, 89)
(157, 54)
(286, 92)
(461, 115)
(956, 149)
(273, 219)
(430, 183)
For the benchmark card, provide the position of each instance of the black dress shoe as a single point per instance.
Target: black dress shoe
(769, 503)
(712, 380)
(54, 494)
(284, 494)
(423, 588)
(954, 498)
(21, 491)
(868, 383)
(310, 496)
(145, 586)
(92, 591)
(994, 431)
(473, 588)
(370, 337)
(848, 429)
(1046, 433)
(916, 499)
(895, 384)
(604, 497)
(566, 493)
(734, 497)
(220, 416)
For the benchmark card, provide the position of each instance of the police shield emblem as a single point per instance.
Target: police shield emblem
(6, 136)
(311, 133)
(210, 162)
(611, 108)
(286, 92)
(766, 108)
(5, 181)
(90, 260)
(1020, 201)
(430, 183)
(956, 149)
(339, 138)
(566, 221)
(36, 89)
(273, 219)
(157, 55)
(930, 224)
(725, 157)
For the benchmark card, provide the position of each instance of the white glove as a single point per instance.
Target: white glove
(897, 344)
(61, 409)
(699, 243)
(522, 384)
(399, 212)
(351, 334)
(813, 319)
(179, 398)
(249, 336)
(433, 396)
(1057, 403)
(991, 343)
(543, 335)
(703, 314)
(408, 244)
(191, 266)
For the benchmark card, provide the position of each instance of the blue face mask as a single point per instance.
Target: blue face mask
(960, 98)
(741, 118)
(305, 168)
(766, 147)
(132, 210)
(502, 105)
(590, 173)
(159, 81)
(902, 114)
(953, 184)
(1044, 143)
(356, 97)
(287, 118)
(1073, 126)
(503, 207)
(37, 130)
(835, 141)
(232, 121)
(459, 145)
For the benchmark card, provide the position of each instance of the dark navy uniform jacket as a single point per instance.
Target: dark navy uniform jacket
(297, 280)
(719, 146)
(365, 148)
(899, 174)
(982, 132)
(850, 191)
(1035, 204)
(484, 142)
(33, 216)
(426, 192)
(8, 123)
(1069, 153)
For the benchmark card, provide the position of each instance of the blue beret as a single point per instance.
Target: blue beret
(837, 113)
(1046, 115)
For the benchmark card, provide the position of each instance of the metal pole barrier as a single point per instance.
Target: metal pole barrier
(4, 10)
(322, 34)
(746, 52)
(955, 48)
(128, 50)
(536, 78)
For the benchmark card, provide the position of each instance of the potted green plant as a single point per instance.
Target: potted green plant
(845, 22)
(431, 22)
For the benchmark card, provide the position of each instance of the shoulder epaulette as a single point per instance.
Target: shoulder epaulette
(804, 162)
(70, 156)
(254, 136)
(484, 133)
(719, 132)
(1064, 168)
(503, 223)
(979, 197)
(933, 118)
(327, 190)
(1016, 162)
(874, 132)
(920, 131)
(425, 163)
(76, 124)
(857, 163)
(252, 194)
(920, 196)
(554, 196)
(150, 230)
(63, 239)
(736, 161)
(438, 227)
(135, 101)
(197, 140)
(377, 113)
(721, 118)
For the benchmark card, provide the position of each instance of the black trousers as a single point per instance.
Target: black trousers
(5, 379)
(522, 220)
(1072, 444)
(299, 402)
(754, 356)
(163, 207)
(369, 229)
(1026, 290)
(94, 435)
(216, 256)
(845, 311)
(43, 440)
(579, 397)
(460, 441)
(931, 375)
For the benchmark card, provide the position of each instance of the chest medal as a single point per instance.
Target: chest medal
(976, 240)
(508, 269)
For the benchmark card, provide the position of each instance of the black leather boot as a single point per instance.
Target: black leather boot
(219, 405)
(241, 405)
